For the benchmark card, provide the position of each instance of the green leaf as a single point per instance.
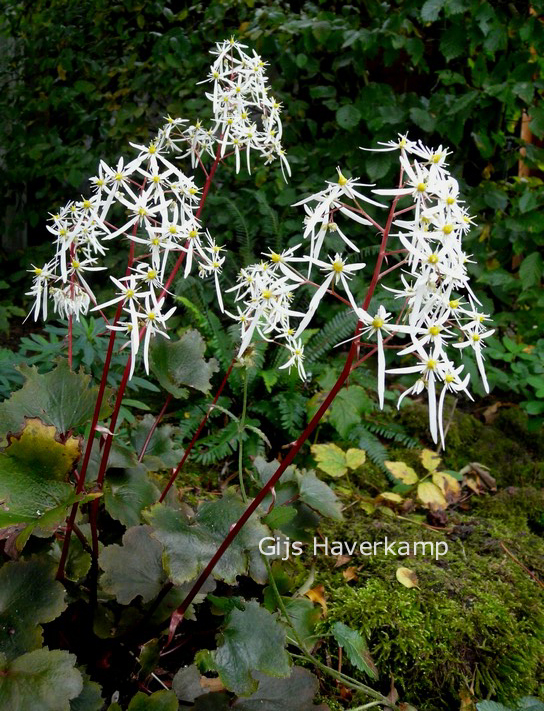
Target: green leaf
(161, 452)
(179, 363)
(60, 398)
(423, 119)
(491, 706)
(348, 116)
(530, 271)
(280, 694)
(304, 616)
(159, 701)
(190, 545)
(133, 569)
(347, 408)
(241, 652)
(537, 121)
(355, 648)
(29, 595)
(90, 698)
(431, 10)
(319, 496)
(355, 458)
(279, 516)
(453, 42)
(42, 680)
(330, 459)
(127, 493)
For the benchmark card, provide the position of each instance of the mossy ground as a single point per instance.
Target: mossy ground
(475, 626)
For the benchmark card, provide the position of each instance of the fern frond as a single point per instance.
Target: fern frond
(339, 328)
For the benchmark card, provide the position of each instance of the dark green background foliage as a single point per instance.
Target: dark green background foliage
(80, 80)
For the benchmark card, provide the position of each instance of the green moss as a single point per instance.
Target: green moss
(477, 617)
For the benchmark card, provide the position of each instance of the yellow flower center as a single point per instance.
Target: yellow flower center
(431, 364)
(152, 149)
(275, 257)
(37, 271)
(193, 234)
(454, 304)
(173, 230)
(155, 242)
(142, 211)
(434, 330)
(377, 322)
(447, 229)
(449, 378)
(421, 187)
(118, 176)
(435, 158)
(75, 264)
(86, 204)
(342, 180)
(475, 337)
(193, 191)
(151, 315)
(267, 294)
(129, 293)
(338, 266)
(433, 258)
(151, 274)
(450, 201)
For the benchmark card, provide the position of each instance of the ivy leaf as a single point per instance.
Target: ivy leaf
(330, 459)
(347, 408)
(319, 496)
(159, 701)
(429, 459)
(279, 694)
(402, 472)
(60, 398)
(135, 568)
(178, 363)
(355, 648)
(241, 651)
(29, 595)
(42, 680)
(190, 545)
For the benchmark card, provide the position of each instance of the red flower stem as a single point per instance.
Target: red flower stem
(179, 613)
(92, 431)
(154, 427)
(70, 329)
(197, 433)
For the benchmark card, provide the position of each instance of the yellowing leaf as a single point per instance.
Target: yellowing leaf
(430, 460)
(448, 485)
(407, 577)
(430, 496)
(389, 497)
(330, 459)
(401, 471)
(355, 457)
(39, 448)
(317, 594)
(61, 71)
(367, 506)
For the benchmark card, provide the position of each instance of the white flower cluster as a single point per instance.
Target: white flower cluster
(439, 308)
(246, 117)
(155, 203)
(152, 203)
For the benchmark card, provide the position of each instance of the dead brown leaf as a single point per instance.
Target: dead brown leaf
(350, 573)
(317, 594)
